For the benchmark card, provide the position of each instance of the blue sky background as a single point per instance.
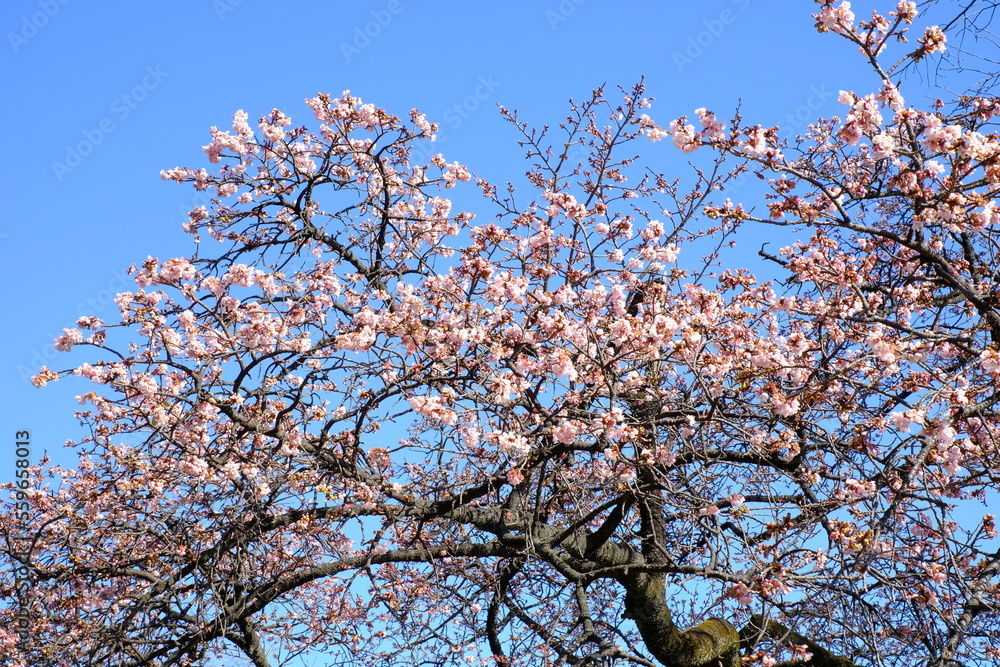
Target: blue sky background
(102, 96)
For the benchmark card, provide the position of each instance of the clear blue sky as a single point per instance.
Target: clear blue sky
(102, 96)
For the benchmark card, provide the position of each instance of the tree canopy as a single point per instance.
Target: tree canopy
(359, 427)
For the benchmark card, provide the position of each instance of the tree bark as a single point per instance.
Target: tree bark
(712, 642)
(820, 656)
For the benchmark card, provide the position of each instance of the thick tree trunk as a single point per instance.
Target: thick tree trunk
(712, 643)
(709, 644)
(820, 656)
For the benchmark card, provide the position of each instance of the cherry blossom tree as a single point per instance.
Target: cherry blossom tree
(359, 427)
(973, 51)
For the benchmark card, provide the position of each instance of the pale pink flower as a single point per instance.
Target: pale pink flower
(177, 269)
(770, 587)
(221, 141)
(512, 443)
(454, 172)
(146, 276)
(903, 420)
(863, 119)
(741, 593)
(989, 361)
(669, 253)
(240, 125)
(653, 231)
(891, 96)
(178, 174)
(471, 436)
(757, 144)
(196, 467)
(883, 146)
(884, 351)
(854, 490)
(421, 123)
(989, 526)
(43, 377)
(936, 572)
(944, 434)
(502, 388)
(91, 373)
(906, 11)
(988, 217)
(713, 126)
(951, 460)
(566, 432)
(213, 285)
(684, 136)
(69, 338)
(784, 406)
(239, 274)
(186, 319)
(432, 406)
(835, 18)
(942, 138)
(202, 179)
(652, 131)
(562, 366)
(304, 164)
(266, 282)
(226, 189)
(230, 471)
(655, 133)
(933, 41)
(271, 125)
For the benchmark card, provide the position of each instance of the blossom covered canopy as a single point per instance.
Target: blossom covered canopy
(359, 425)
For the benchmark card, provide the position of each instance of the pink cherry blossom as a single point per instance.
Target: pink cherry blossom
(906, 10)
(684, 136)
(68, 339)
(741, 592)
(364, 417)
